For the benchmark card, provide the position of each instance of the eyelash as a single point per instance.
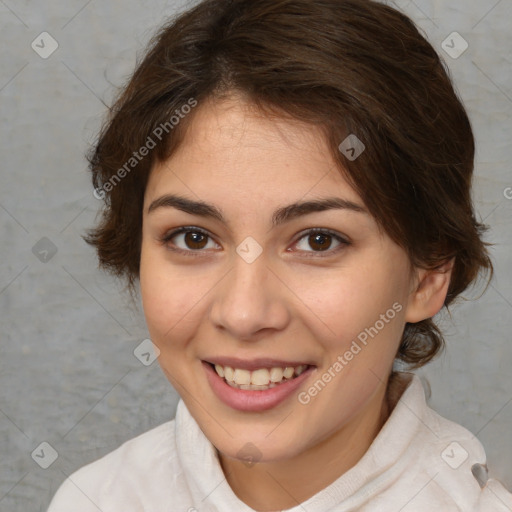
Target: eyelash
(167, 237)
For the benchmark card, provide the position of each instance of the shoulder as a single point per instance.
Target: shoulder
(454, 463)
(124, 476)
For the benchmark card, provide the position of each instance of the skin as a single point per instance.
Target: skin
(294, 302)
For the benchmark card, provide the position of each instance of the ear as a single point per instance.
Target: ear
(429, 292)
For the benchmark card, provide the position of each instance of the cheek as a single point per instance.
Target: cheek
(159, 293)
(172, 300)
(346, 301)
(363, 304)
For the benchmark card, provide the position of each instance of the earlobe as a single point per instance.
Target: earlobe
(429, 292)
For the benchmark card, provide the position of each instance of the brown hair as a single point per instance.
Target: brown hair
(345, 66)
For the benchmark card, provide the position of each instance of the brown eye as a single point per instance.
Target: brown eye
(320, 241)
(195, 240)
(189, 240)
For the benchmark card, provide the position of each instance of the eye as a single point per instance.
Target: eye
(188, 239)
(192, 240)
(321, 241)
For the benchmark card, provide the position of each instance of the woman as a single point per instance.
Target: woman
(290, 183)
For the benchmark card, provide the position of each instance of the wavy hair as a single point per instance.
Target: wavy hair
(344, 66)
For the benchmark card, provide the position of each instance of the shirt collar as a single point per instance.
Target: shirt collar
(388, 456)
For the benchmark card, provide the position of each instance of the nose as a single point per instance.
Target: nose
(251, 301)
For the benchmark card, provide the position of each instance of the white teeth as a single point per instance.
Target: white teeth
(242, 376)
(262, 378)
(300, 369)
(251, 387)
(288, 372)
(228, 373)
(276, 374)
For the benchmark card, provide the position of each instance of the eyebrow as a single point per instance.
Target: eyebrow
(280, 216)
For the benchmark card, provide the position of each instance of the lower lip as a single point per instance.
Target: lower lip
(253, 401)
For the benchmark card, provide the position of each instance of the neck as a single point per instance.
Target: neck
(284, 484)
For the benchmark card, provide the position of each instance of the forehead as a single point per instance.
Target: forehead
(232, 122)
(231, 146)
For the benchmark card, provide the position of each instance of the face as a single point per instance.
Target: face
(272, 285)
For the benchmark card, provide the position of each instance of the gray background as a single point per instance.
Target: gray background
(68, 373)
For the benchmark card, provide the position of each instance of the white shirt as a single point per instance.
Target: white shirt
(419, 462)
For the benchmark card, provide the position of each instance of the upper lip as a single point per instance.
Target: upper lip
(254, 364)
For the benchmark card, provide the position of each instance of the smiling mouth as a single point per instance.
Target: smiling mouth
(259, 379)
